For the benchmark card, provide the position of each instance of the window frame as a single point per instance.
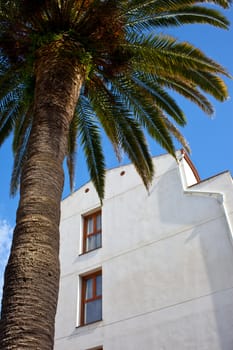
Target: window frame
(84, 301)
(95, 232)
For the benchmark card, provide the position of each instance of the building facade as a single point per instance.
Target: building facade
(149, 269)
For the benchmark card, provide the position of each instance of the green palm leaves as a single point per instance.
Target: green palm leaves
(130, 71)
(146, 15)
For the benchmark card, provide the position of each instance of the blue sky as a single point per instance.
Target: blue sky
(211, 140)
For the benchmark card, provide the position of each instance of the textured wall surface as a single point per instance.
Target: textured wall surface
(166, 259)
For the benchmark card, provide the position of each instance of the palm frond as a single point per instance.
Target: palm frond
(147, 114)
(188, 90)
(71, 151)
(130, 72)
(188, 15)
(90, 138)
(19, 157)
(156, 6)
(8, 114)
(112, 113)
(7, 121)
(177, 134)
(165, 51)
(102, 103)
(134, 144)
(160, 98)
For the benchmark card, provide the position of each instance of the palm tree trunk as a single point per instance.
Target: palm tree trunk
(32, 274)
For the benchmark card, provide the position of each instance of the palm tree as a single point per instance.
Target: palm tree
(67, 69)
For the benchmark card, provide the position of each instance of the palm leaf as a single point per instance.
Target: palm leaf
(91, 142)
(165, 51)
(71, 151)
(102, 103)
(134, 144)
(187, 90)
(148, 114)
(187, 15)
(160, 98)
(129, 72)
(19, 157)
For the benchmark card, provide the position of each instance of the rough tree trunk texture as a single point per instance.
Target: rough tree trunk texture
(32, 274)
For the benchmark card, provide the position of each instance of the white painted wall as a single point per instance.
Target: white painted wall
(166, 259)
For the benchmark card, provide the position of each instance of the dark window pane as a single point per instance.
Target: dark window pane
(98, 285)
(93, 311)
(94, 242)
(91, 243)
(89, 225)
(98, 240)
(98, 222)
(89, 289)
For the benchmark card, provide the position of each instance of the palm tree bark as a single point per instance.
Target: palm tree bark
(32, 274)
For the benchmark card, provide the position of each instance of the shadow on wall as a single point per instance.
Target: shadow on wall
(201, 260)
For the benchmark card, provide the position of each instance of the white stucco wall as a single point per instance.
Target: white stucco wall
(166, 259)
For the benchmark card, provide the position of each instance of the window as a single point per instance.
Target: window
(91, 308)
(92, 231)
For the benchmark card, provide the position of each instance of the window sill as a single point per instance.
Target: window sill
(89, 251)
(82, 326)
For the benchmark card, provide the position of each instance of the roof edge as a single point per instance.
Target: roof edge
(191, 165)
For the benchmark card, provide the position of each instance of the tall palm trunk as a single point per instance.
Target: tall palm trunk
(32, 274)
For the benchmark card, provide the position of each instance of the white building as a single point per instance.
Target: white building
(162, 278)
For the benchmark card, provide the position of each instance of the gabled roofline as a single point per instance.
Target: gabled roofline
(190, 163)
(211, 177)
